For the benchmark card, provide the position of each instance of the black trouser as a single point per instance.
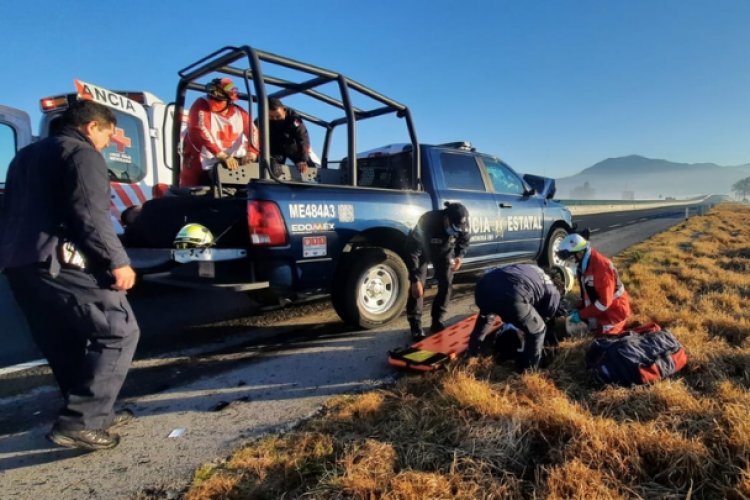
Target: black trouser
(444, 274)
(521, 315)
(88, 335)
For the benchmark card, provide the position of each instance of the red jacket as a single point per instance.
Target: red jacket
(208, 134)
(605, 300)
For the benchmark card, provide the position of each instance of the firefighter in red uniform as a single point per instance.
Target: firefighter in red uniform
(218, 131)
(605, 305)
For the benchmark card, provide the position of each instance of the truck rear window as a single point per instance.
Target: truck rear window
(388, 171)
(461, 172)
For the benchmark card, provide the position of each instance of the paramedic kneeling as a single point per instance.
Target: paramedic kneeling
(604, 305)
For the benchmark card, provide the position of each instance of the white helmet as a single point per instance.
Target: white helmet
(193, 236)
(572, 243)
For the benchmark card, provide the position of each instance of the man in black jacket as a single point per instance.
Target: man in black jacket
(288, 135)
(525, 296)
(69, 272)
(442, 238)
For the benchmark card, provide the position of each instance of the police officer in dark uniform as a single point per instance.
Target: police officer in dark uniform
(525, 296)
(68, 272)
(442, 238)
(288, 135)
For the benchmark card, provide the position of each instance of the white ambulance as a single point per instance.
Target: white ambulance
(138, 156)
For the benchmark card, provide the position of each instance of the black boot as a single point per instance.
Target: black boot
(416, 330)
(437, 326)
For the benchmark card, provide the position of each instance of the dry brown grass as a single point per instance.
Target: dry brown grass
(478, 430)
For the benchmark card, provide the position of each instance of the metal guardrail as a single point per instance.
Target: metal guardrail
(685, 201)
(588, 207)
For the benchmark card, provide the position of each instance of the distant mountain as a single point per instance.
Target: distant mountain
(647, 178)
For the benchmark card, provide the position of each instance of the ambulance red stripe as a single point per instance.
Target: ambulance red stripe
(136, 188)
(118, 189)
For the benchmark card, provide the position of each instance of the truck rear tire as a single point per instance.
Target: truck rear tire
(549, 257)
(374, 289)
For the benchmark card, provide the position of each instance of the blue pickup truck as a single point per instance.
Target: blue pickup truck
(340, 227)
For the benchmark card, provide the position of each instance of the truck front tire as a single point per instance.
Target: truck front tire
(374, 288)
(553, 243)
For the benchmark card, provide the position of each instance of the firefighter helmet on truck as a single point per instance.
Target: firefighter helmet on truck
(193, 236)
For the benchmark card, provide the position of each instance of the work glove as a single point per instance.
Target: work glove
(575, 317)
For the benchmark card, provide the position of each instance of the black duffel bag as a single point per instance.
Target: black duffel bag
(642, 355)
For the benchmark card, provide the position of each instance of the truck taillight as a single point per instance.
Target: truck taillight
(265, 223)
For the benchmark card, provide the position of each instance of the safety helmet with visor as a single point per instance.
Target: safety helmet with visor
(222, 89)
(193, 236)
(572, 244)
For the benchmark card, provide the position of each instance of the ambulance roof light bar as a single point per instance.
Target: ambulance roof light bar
(52, 103)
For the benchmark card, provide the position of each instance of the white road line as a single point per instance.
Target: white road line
(615, 225)
(22, 366)
(595, 230)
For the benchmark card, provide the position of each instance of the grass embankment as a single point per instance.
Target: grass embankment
(478, 430)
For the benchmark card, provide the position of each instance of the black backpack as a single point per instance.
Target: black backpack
(642, 355)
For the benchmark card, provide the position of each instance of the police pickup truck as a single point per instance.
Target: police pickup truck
(340, 227)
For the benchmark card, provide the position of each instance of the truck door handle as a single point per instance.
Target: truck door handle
(505, 205)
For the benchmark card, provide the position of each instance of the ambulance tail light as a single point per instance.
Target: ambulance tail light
(265, 223)
(51, 103)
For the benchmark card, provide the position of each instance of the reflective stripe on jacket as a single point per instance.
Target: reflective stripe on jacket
(604, 297)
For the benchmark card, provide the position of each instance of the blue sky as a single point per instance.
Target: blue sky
(552, 87)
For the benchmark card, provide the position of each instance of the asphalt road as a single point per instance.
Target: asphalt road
(216, 385)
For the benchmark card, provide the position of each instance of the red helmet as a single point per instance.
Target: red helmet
(222, 89)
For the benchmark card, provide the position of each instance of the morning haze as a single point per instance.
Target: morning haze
(637, 177)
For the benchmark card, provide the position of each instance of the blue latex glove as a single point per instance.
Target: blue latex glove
(574, 317)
